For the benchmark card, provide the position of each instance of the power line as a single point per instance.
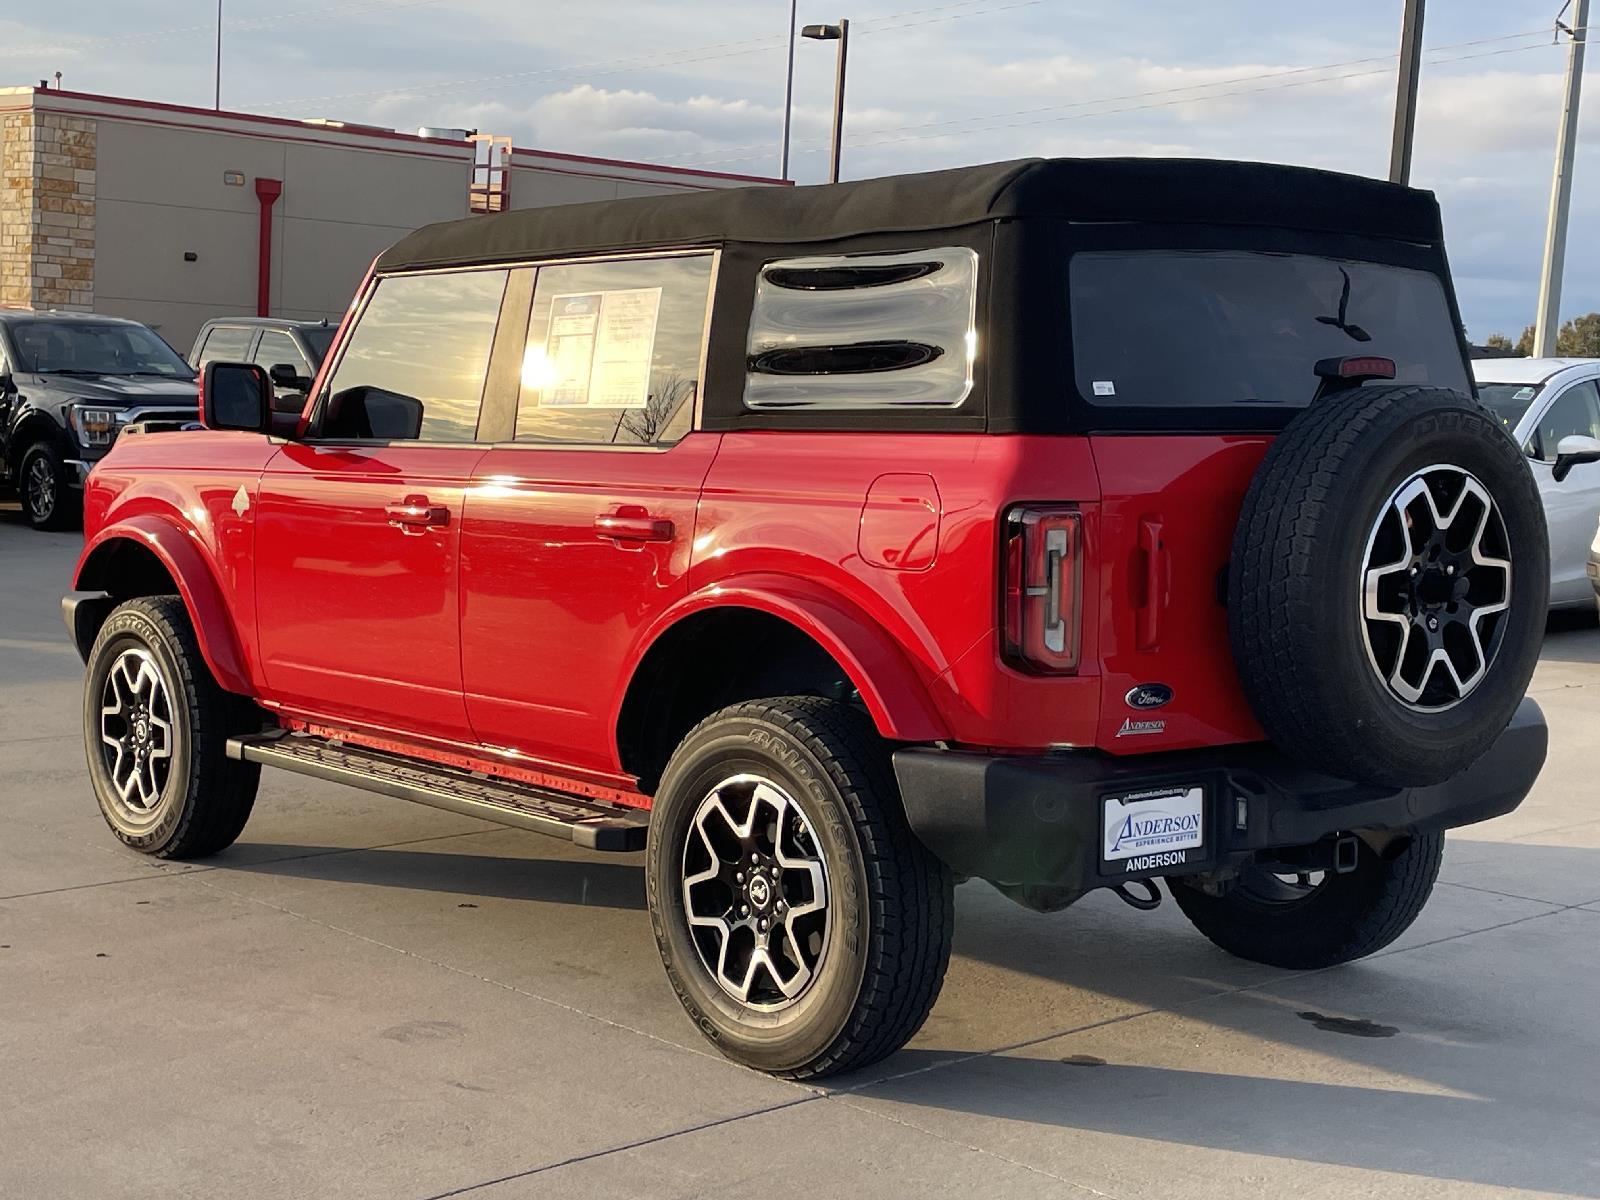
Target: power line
(1195, 99)
(989, 121)
(653, 60)
(247, 23)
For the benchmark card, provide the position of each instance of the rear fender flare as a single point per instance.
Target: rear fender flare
(197, 586)
(895, 697)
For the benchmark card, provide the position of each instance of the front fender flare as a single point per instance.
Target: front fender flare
(894, 695)
(197, 584)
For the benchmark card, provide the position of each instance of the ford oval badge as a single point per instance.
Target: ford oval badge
(1148, 695)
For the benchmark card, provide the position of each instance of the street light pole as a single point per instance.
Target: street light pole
(788, 96)
(834, 33)
(1405, 100)
(1548, 323)
(216, 95)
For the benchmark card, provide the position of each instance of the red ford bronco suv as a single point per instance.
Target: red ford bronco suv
(1064, 524)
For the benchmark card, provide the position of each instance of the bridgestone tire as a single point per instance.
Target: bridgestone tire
(891, 902)
(206, 797)
(1295, 585)
(1347, 917)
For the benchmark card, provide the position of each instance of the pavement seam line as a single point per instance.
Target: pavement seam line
(1472, 887)
(634, 1145)
(844, 1098)
(490, 980)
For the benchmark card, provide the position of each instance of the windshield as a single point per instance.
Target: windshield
(1508, 401)
(1220, 328)
(318, 338)
(95, 348)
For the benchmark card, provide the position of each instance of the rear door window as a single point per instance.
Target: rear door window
(277, 349)
(416, 359)
(224, 343)
(614, 351)
(1166, 329)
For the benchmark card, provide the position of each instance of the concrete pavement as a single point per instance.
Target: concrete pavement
(368, 999)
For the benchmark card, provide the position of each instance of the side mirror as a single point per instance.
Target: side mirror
(1572, 450)
(7, 384)
(284, 375)
(235, 396)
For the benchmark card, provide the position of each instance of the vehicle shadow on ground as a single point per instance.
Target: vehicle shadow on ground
(1571, 636)
(1467, 1139)
(481, 876)
(1436, 1111)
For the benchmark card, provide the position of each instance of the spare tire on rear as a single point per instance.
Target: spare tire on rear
(1388, 585)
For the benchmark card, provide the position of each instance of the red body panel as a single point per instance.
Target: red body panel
(364, 614)
(179, 495)
(505, 633)
(791, 504)
(551, 605)
(1167, 513)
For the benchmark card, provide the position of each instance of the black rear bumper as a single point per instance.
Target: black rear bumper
(1038, 820)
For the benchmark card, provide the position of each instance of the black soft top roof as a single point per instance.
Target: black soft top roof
(1198, 191)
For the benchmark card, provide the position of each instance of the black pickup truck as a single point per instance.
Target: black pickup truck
(70, 383)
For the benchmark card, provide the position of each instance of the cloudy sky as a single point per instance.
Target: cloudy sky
(700, 82)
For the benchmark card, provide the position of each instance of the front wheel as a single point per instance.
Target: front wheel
(1286, 917)
(156, 726)
(803, 926)
(48, 500)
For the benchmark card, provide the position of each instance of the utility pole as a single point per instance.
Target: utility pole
(1548, 322)
(216, 96)
(1405, 101)
(788, 96)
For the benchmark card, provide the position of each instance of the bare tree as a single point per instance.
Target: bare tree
(645, 425)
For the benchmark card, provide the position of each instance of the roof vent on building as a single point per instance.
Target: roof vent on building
(445, 133)
(352, 126)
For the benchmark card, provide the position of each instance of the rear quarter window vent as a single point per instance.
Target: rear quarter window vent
(864, 331)
(833, 279)
(859, 358)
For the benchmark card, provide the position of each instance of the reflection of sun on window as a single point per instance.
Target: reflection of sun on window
(537, 370)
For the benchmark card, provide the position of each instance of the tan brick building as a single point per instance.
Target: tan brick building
(172, 215)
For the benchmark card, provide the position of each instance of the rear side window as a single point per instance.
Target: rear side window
(864, 331)
(614, 350)
(224, 343)
(275, 349)
(1214, 329)
(416, 360)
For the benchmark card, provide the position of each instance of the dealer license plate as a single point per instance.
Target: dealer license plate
(1153, 829)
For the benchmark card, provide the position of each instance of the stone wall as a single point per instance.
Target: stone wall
(47, 192)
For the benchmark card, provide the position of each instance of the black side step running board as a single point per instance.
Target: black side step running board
(593, 824)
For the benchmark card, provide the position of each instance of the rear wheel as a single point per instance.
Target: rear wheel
(1289, 917)
(156, 726)
(48, 500)
(804, 928)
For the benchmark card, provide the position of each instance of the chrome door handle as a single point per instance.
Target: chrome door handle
(415, 513)
(633, 528)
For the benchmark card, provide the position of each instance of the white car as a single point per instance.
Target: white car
(1551, 407)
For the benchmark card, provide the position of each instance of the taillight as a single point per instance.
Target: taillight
(1043, 573)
